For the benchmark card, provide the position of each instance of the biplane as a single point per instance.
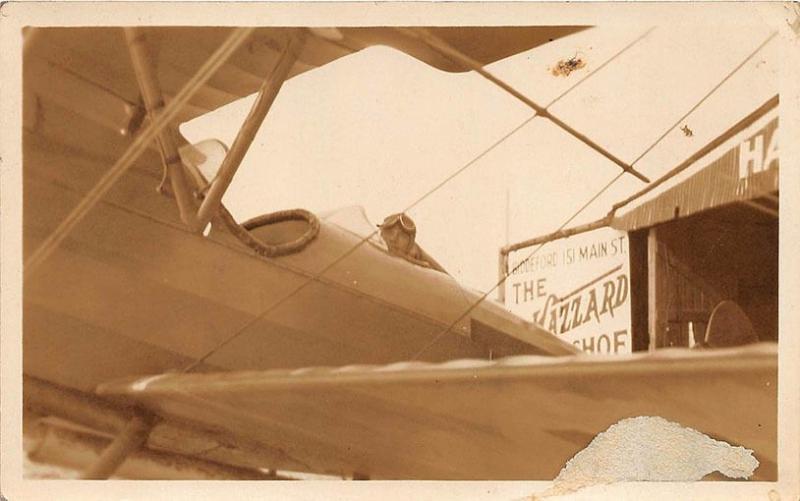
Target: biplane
(164, 339)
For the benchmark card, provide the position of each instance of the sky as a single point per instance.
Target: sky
(380, 129)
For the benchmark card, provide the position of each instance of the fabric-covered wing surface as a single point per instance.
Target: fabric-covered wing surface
(514, 418)
(99, 56)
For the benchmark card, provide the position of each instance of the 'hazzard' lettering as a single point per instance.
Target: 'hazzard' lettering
(592, 305)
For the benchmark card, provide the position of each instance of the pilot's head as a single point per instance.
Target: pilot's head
(399, 232)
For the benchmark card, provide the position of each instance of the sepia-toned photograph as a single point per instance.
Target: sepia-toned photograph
(402, 248)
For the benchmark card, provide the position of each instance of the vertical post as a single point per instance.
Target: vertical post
(638, 290)
(655, 303)
(508, 216)
(502, 270)
(129, 440)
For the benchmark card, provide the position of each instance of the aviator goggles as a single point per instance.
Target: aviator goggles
(400, 219)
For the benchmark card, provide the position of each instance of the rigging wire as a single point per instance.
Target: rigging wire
(457, 57)
(602, 190)
(486, 294)
(708, 94)
(425, 195)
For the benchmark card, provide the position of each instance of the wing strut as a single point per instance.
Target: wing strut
(131, 438)
(153, 100)
(197, 219)
(456, 56)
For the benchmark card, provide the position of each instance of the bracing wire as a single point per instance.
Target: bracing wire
(486, 294)
(707, 95)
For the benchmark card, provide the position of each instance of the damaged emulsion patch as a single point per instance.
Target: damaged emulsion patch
(567, 66)
(650, 449)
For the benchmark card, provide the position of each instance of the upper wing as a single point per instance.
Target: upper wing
(99, 57)
(514, 418)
